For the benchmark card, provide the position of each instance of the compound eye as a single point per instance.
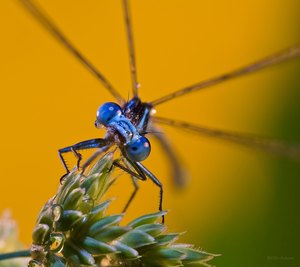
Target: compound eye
(139, 149)
(107, 112)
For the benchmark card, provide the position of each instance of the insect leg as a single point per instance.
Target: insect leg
(93, 143)
(132, 196)
(157, 183)
(78, 156)
(139, 174)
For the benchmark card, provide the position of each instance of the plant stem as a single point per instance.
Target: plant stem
(16, 254)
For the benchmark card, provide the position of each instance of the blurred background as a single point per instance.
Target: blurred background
(241, 203)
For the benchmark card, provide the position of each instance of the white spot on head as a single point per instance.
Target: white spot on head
(146, 144)
(153, 111)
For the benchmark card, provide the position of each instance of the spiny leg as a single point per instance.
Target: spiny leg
(89, 144)
(139, 175)
(78, 156)
(133, 194)
(157, 183)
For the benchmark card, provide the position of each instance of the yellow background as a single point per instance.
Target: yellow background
(238, 202)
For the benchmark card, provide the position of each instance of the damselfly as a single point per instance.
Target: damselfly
(128, 122)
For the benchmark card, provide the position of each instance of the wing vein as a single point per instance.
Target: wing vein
(282, 56)
(258, 142)
(45, 21)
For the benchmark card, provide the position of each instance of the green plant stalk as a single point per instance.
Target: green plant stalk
(74, 229)
(16, 254)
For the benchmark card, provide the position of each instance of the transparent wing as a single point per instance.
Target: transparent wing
(130, 42)
(41, 16)
(178, 172)
(267, 144)
(282, 56)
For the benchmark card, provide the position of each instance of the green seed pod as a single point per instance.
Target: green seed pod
(40, 234)
(73, 261)
(90, 184)
(85, 257)
(168, 253)
(166, 239)
(137, 239)
(73, 199)
(97, 212)
(55, 261)
(71, 182)
(146, 219)
(67, 220)
(80, 225)
(111, 233)
(104, 164)
(71, 249)
(163, 256)
(96, 247)
(104, 223)
(77, 232)
(57, 211)
(126, 251)
(45, 214)
(46, 217)
(102, 185)
(194, 255)
(68, 252)
(153, 229)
